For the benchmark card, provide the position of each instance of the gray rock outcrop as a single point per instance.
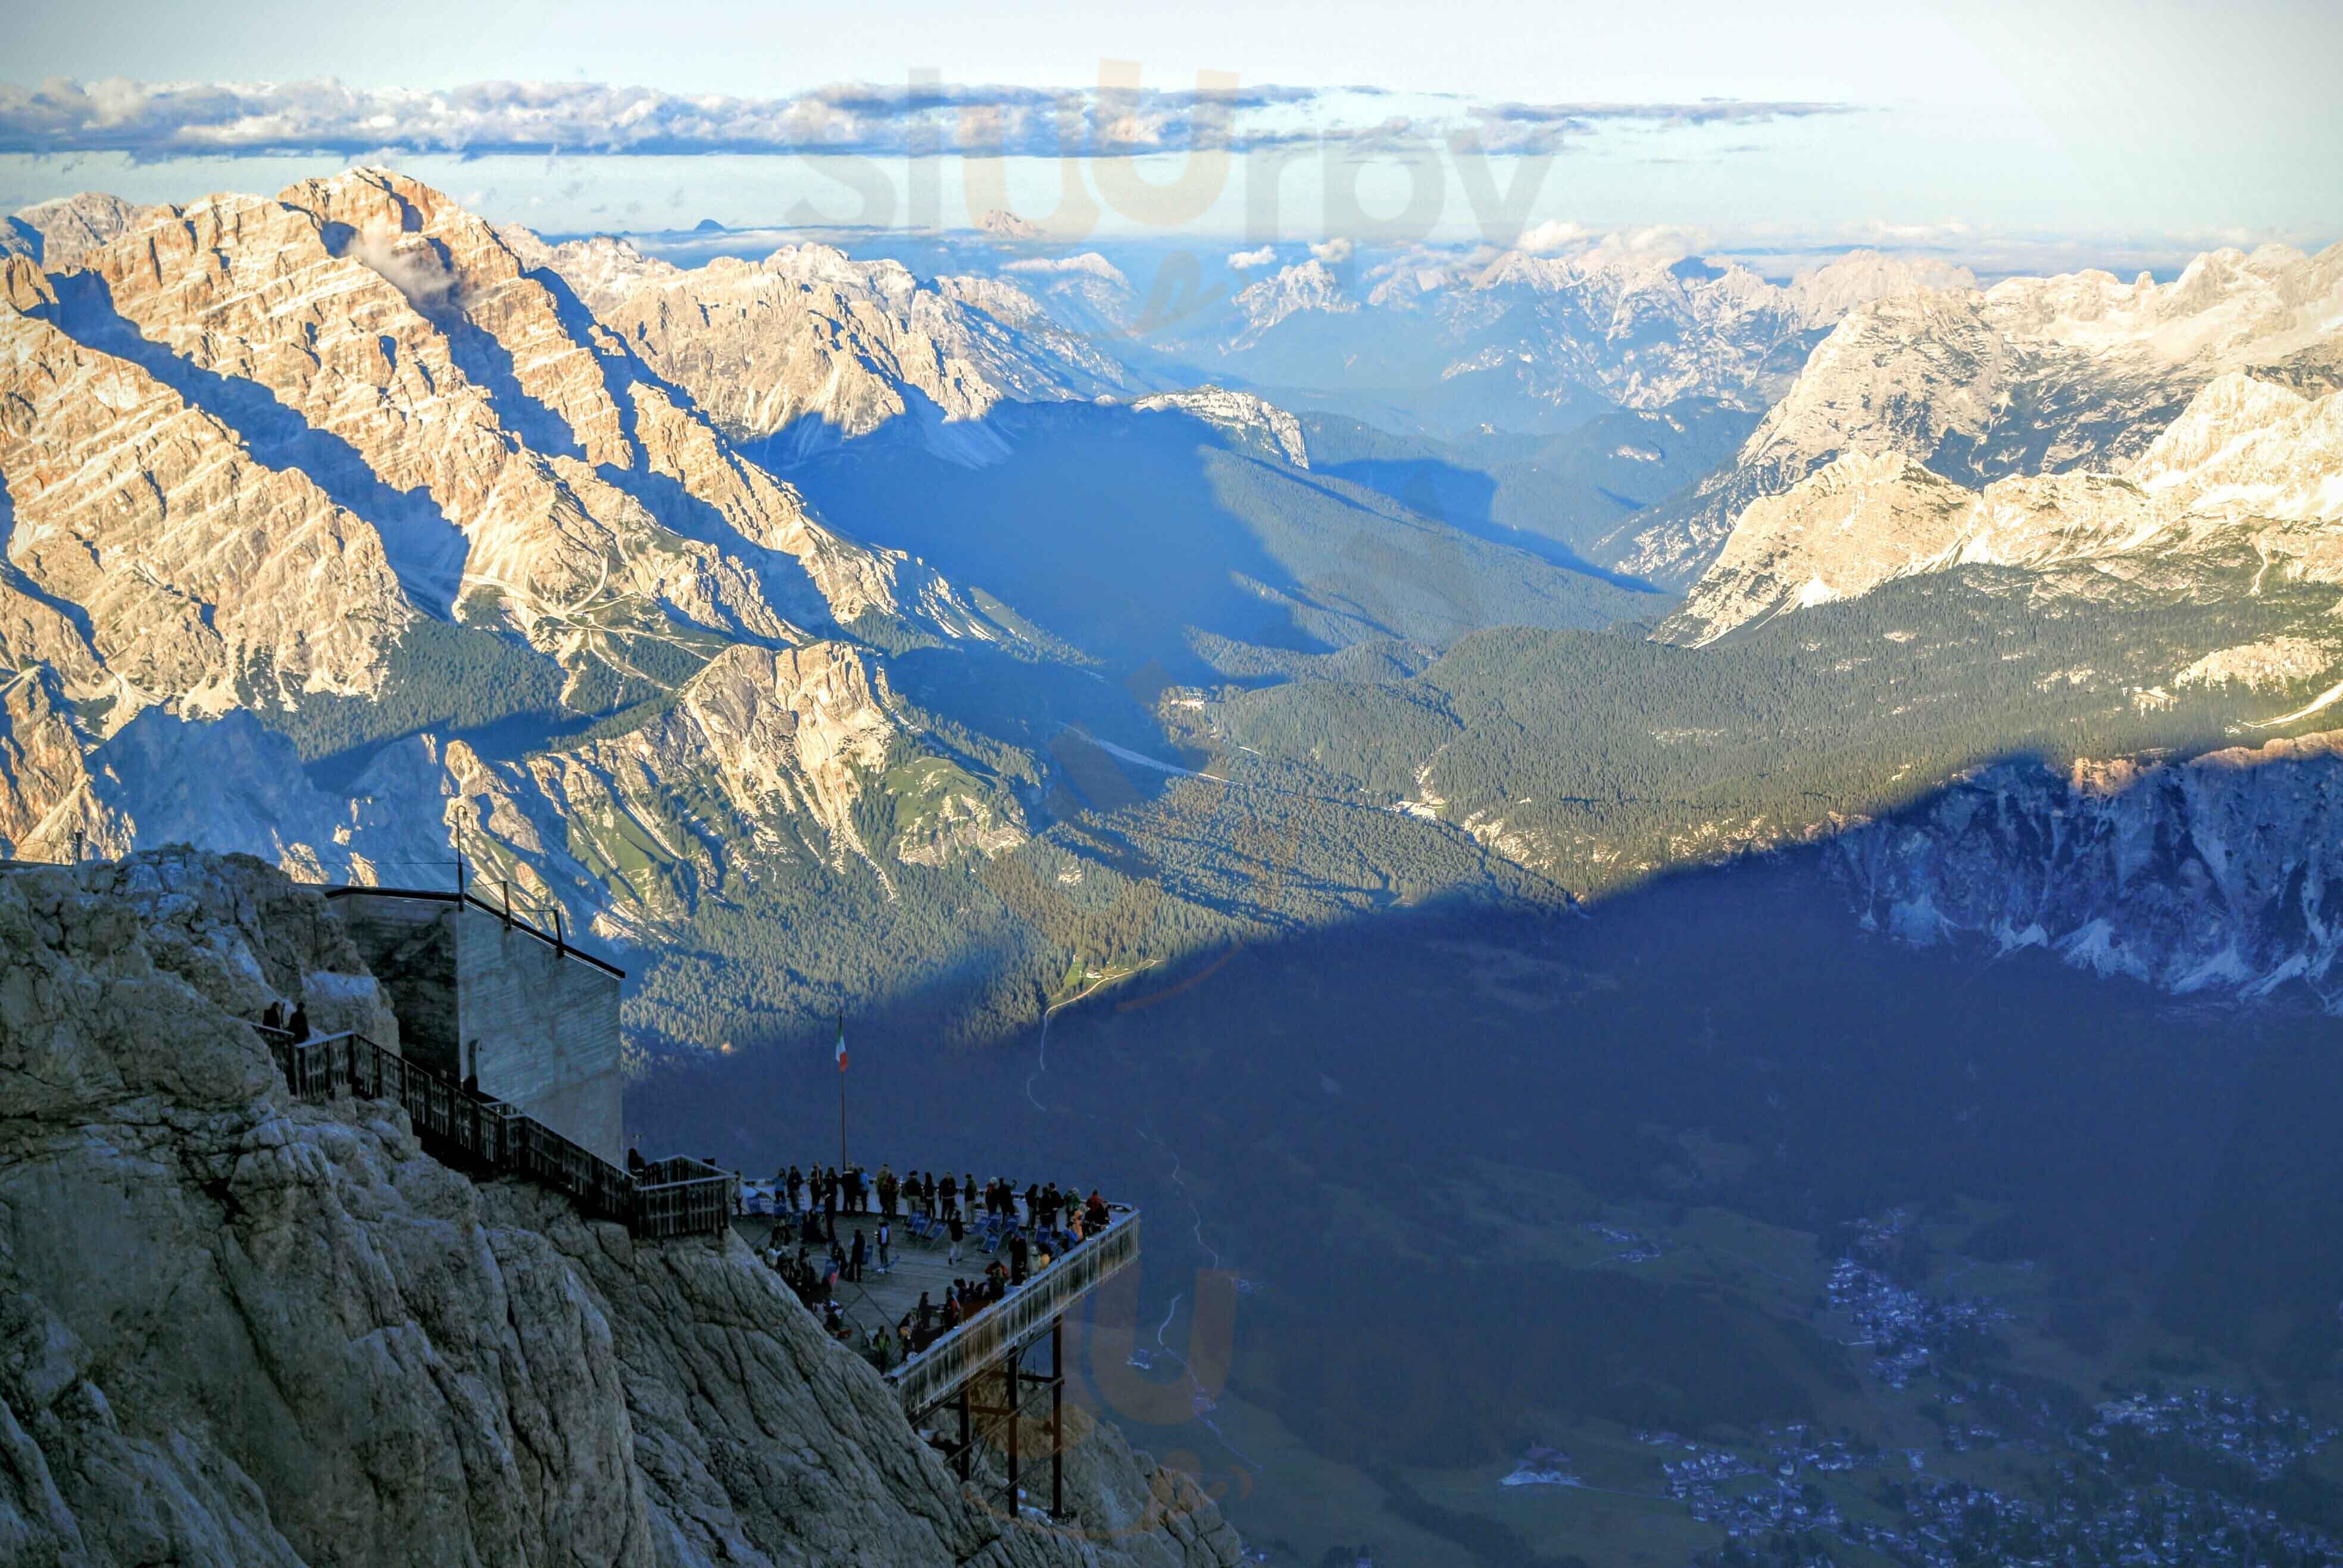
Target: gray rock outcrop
(2210, 875)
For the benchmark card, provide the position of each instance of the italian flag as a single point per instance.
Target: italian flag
(841, 1042)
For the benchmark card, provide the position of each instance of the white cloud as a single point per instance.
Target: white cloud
(1880, 232)
(1088, 261)
(1247, 260)
(415, 269)
(1554, 235)
(1334, 252)
(1656, 244)
(155, 120)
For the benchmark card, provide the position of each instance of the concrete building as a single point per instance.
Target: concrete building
(483, 993)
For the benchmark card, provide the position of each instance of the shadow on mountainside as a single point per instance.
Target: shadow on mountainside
(1399, 1129)
(1135, 534)
(424, 547)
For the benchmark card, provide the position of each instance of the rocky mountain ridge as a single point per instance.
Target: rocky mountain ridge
(2214, 874)
(1240, 413)
(2248, 465)
(809, 348)
(2033, 377)
(1538, 338)
(256, 449)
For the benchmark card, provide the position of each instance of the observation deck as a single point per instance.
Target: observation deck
(971, 1386)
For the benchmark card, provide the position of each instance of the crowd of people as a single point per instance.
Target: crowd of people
(1025, 1230)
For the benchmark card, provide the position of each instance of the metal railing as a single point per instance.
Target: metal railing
(556, 937)
(676, 1197)
(935, 1372)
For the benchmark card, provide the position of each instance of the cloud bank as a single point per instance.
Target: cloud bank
(156, 121)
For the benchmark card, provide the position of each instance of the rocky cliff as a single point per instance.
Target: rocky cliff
(2249, 469)
(2219, 873)
(809, 346)
(268, 454)
(239, 1330)
(2034, 376)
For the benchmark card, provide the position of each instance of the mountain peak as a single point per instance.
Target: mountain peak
(58, 234)
(1005, 225)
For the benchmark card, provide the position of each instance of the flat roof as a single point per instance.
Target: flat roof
(518, 922)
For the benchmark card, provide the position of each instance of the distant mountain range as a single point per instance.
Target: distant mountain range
(851, 632)
(1534, 343)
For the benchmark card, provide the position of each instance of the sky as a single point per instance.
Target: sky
(2000, 132)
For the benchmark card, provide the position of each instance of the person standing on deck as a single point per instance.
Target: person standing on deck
(796, 1183)
(886, 1240)
(854, 1259)
(1016, 1257)
(950, 1195)
(959, 1234)
(887, 1190)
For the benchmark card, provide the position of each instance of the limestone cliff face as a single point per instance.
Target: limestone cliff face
(765, 760)
(236, 1329)
(818, 347)
(2220, 873)
(511, 454)
(198, 576)
(2033, 375)
(2249, 468)
(249, 445)
(578, 391)
(43, 784)
(59, 233)
(257, 299)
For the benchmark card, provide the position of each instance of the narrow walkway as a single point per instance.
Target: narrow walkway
(674, 1197)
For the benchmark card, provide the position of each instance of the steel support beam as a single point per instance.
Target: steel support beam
(967, 1439)
(1058, 1417)
(1014, 1397)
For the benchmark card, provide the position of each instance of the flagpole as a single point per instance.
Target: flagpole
(841, 1093)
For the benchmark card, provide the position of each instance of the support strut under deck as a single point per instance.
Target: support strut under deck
(1003, 1421)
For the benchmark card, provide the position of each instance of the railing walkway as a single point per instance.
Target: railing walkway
(936, 1373)
(676, 1197)
(971, 1390)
